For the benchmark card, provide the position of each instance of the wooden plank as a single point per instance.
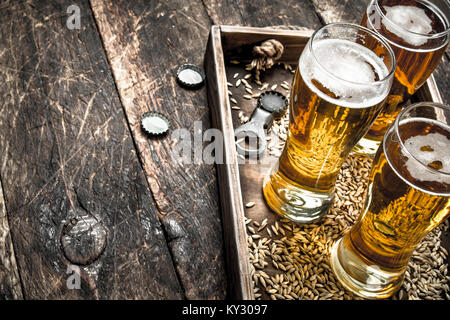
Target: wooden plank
(340, 10)
(68, 161)
(263, 13)
(145, 43)
(353, 11)
(9, 276)
(442, 77)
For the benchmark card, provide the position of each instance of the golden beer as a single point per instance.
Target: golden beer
(337, 92)
(409, 195)
(418, 32)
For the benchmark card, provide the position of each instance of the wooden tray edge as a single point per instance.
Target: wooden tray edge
(430, 91)
(233, 217)
(266, 31)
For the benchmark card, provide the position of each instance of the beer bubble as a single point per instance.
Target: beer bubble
(410, 20)
(347, 61)
(435, 156)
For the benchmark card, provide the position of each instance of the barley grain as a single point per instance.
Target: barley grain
(264, 86)
(250, 204)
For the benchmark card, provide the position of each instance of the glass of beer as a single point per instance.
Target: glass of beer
(418, 32)
(343, 78)
(408, 196)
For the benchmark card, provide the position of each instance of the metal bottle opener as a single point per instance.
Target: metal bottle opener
(271, 104)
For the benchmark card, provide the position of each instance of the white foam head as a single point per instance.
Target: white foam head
(342, 61)
(402, 20)
(427, 149)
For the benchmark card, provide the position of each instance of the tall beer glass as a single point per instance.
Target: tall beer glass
(342, 79)
(418, 32)
(409, 195)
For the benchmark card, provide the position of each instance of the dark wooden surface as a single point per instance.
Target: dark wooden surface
(72, 150)
(67, 153)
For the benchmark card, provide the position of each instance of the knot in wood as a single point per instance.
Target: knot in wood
(268, 52)
(83, 239)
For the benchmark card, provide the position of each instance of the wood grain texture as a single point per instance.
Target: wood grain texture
(340, 10)
(9, 276)
(442, 77)
(262, 13)
(145, 43)
(353, 10)
(67, 153)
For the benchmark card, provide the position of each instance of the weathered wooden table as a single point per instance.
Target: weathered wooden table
(73, 155)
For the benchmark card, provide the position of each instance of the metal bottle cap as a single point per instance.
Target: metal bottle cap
(154, 123)
(190, 76)
(273, 102)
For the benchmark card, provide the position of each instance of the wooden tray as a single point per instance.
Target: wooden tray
(240, 184)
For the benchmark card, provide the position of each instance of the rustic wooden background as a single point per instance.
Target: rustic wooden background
(72, 152)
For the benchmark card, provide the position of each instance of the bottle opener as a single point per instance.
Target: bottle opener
(271, 104)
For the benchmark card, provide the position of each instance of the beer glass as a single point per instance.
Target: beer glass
(342, 79)
(408, 196)
(418, 32)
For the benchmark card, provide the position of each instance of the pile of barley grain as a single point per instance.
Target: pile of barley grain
(291, 261)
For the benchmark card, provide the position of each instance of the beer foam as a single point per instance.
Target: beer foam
(347, 61)
(440, 151)
(409, 19)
